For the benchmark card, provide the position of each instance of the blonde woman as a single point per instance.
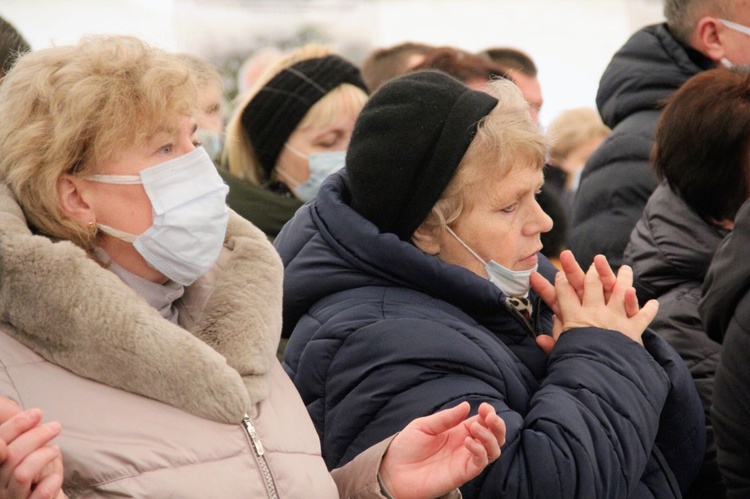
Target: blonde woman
(289, 132)
(143, 315)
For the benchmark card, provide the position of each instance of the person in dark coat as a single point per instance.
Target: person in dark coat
(725, 310)
(704, 182)
(657, 60)
(407, 289)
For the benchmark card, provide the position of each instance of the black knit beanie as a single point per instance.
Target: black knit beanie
(406, 145)
(275, 111)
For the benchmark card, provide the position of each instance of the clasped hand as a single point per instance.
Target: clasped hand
(29, 466)
(596, 298)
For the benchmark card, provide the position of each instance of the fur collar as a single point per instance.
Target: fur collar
(80, 316)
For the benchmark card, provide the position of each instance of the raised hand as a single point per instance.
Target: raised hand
(29, 466)
(595, 310)
(576, 279)
(435, 454)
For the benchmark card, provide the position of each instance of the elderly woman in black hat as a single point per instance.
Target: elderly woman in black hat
(407, 290)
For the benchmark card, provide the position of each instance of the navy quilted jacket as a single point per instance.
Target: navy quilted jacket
(617, 179)
(383, 333)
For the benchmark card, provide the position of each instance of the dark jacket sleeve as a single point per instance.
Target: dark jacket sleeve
(678, 325)
(591, 426)
(731, 404)
(682, 425)
(587, 431)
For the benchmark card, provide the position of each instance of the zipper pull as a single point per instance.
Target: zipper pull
(253, 435)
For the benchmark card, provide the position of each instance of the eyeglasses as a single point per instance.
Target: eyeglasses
(737, 27)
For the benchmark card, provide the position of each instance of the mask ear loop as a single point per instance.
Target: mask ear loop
(119, 234)
(465, 245)
(288, 177)
(283, 173)
(116, 179)
(296, 152)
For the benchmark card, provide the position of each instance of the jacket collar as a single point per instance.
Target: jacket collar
(80, 316)
(670, 245)
(329, 247)
(726, 282)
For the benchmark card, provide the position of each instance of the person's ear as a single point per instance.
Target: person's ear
(724, 223)
(427, 239)
(72, 199)
(709, 38)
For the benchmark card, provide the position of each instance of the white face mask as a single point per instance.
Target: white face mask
(736, 27)
(511, 282)
(190, 215)
(321, 166)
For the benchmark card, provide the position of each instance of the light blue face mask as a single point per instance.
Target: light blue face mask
(511, 282)
(212, 141)
(321, 165)
(190, 215)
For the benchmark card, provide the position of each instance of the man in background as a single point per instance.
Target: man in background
(520, 68)
(386, 63)
(617, 179)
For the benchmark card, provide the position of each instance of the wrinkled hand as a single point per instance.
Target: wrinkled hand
(576, 279)
(435, 454)
(30, 467)
(594, 311)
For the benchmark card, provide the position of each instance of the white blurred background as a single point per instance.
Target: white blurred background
(571, 41)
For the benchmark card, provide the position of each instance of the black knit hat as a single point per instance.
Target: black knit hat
(406, 145)
(275, 111)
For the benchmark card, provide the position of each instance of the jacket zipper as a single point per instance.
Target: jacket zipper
(260, 457)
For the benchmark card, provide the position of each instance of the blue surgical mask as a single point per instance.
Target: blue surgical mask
(321, 165)
(212, 141)
(188, 198)
(511, 282)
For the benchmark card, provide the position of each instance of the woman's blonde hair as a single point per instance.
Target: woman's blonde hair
(572, 128)
(506, 139)
(205, 73)
(239, 157)
(69, 109)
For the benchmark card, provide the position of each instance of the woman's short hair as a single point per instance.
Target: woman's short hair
(571, 128)
(506, 139)
(239, 156)
(702, 142)
(69, 109)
